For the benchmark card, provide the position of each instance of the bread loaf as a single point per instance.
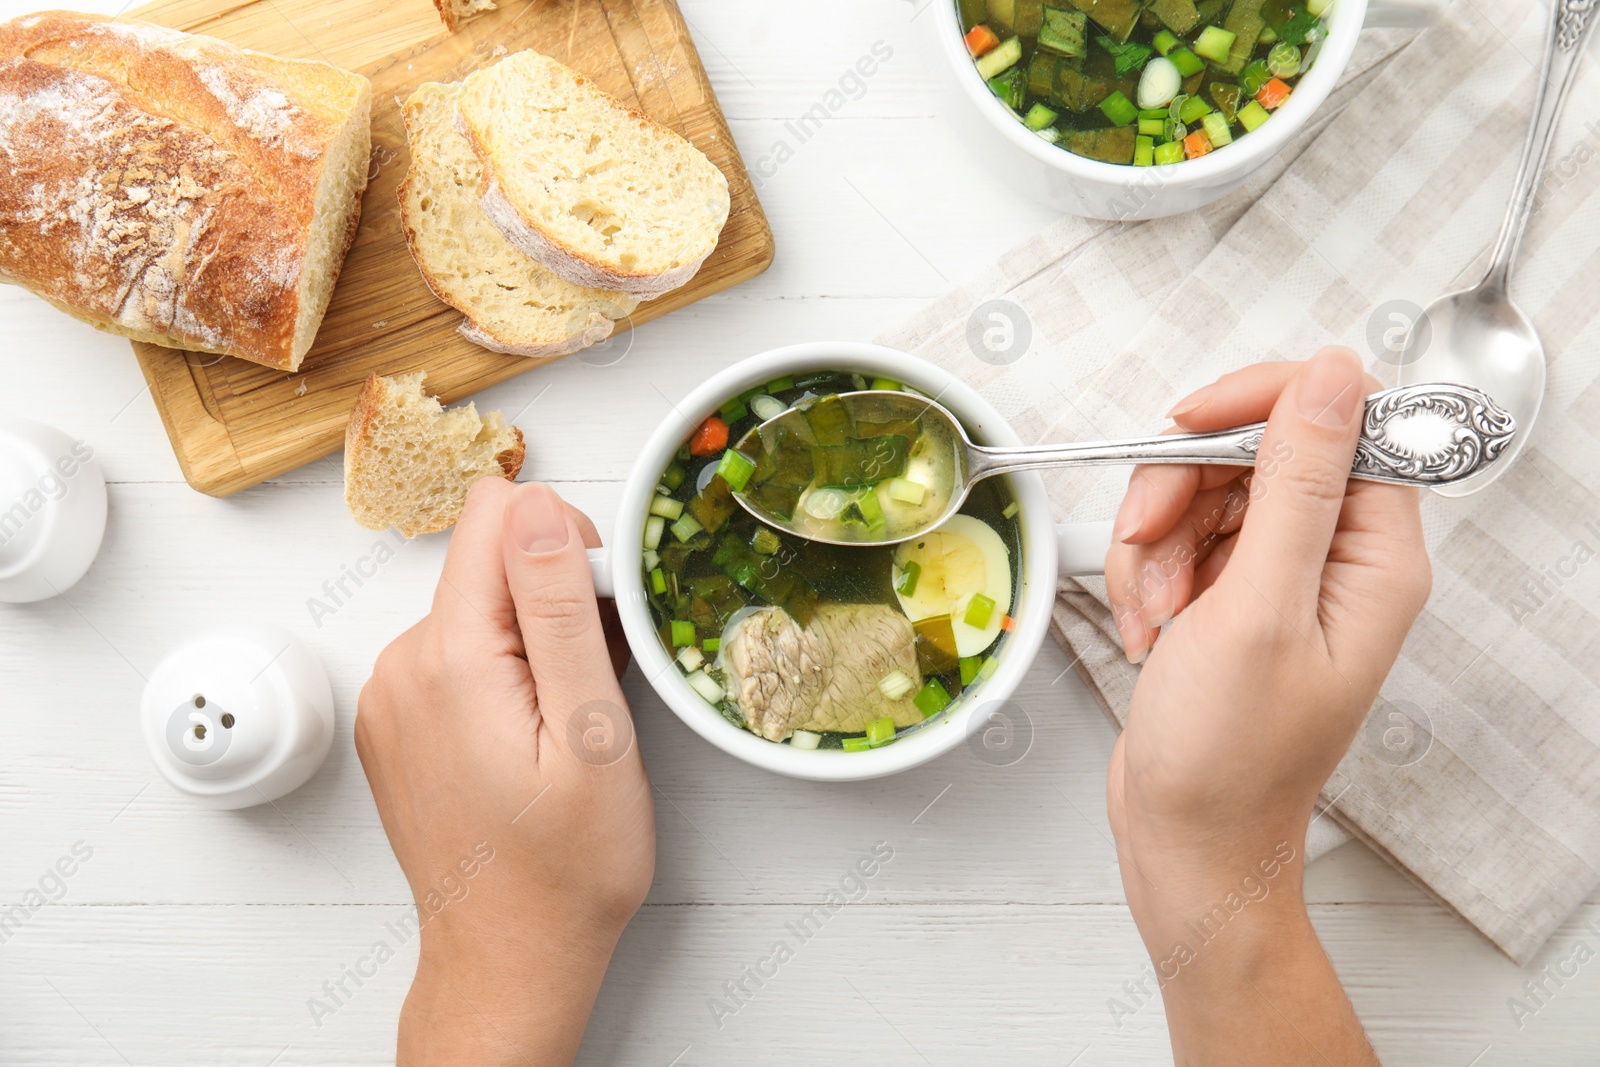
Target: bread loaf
(175, 189)
(511, 303)
(408, 463)
(454, 12)
(600, 194)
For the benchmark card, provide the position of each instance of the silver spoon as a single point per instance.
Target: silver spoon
(1422, 435)
(1479, 335)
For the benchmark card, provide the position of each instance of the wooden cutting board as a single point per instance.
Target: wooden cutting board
(235, 423)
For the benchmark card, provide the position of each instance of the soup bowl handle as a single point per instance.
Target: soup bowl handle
(600, 571)
(1081, 548)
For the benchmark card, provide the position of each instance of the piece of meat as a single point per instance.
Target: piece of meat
(824, 677)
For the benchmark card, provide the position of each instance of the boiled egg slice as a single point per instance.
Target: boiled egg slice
(960, 560)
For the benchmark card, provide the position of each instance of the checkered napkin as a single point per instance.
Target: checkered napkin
(1478, 774)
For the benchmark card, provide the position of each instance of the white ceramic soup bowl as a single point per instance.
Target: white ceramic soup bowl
(1086, 187)
(978, 715)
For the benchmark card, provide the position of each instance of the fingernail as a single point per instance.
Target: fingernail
(1132, 632)
(1130, 516)
(1156, 586)
(538, 521)
(1193, 402)
(1328, 395)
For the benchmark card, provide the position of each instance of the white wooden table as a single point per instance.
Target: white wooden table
(996, 934)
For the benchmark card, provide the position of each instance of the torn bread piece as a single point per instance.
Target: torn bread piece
(409, 462)
(454, 12)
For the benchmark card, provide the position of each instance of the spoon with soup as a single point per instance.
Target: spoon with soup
(879, 466)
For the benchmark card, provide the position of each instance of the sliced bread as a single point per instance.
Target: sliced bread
(511, 303)
(600, 194)
(408, 462)
(454, 12)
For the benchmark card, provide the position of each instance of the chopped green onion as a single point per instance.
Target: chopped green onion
(871, 509)
(652, 531)
(906, 491)
(733, 410)
(1153, 127)
(691, 659)
(673, 477)
(1144, 151)
(1171, 152)
(999, 60)
(666, 507)
(1214, 43)
(1252, 115)
(1119, 109)
(1165, 41)
(990, 665)
(970, 666)
(767, 407)
(979, 611)
(880, 731)
(686, 527)
(652, 559)
(908, 578)
(682, 633)
(805, 740)
(856, 744)
(896, 684)
(932, 698)
(711, 644)
(778, 385)
(1010, 510)
(1254, 76)
(1153, 113)
(1284, 60)
(1192, 110)
(1050, 134)
(1216, 128)
(889, 383)
(658, 581)
(736, 468)
(1037, 118)
(1186, 61)
(702, 683)
(765, 541)
(1318, 7)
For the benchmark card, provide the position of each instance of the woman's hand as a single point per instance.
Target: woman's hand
(1296, 591)
(501, 755)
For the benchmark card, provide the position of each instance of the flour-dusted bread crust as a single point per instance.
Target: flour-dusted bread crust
(408, 463)
(603, 196)
(511, 303)
(175, 189)
(454, 12)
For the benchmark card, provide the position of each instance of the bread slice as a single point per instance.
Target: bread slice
(176, 189)
(454, 12)
(408, 462)
(600, 194)
(511, 303)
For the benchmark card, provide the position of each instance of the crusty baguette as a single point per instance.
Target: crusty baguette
(174, 188)
(511, 303)
(408, 463)
(603, 196)
(454, 12)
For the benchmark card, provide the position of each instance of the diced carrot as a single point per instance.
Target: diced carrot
(1272, 94)
(1008, 624)
(710, 438)
(982, 39)
(1196, 144)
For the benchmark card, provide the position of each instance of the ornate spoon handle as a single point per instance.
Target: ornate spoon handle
(1423, 435)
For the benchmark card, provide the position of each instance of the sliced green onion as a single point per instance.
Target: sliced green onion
(711, 644)
(1050, 134)
(856, 744)
(686, 527)
(1010, 510)
(1186, 61)
(1216, 128)
(907, 585)
(652, 531)
(1037, 118)
(999, 60)
(1171, 152)
(990, 665)
(652, 559)
(1119, 109)
(672, 478)
(889, 383)
(871, 510)
(970, 666)
(666, 507)
(1319, 8)
(1214, 43)
(1284, 60)
(658, 581)
(691, 659)
(767, 407)
(1165, 41)
(779, 385)
(702, 683)
(906, 491)
(932, 698)
(1254, 76)
(979, 611)
(1153, 127)
(804, 740)
(682, 633)
(896, 684)
(1144, 150)
(1192, 110)
(765, 541)
(736, 468)
(733, 410)
(1252, 115)
(880, 731)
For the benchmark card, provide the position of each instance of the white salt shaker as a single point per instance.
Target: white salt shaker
(238, 715)
(52, 510)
